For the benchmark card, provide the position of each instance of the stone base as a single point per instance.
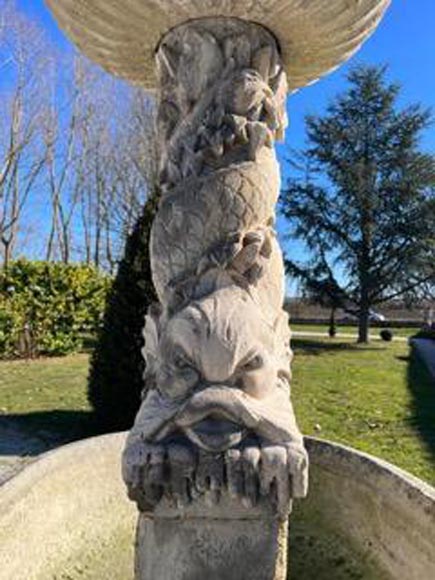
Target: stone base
(222, 542)
(69, 514)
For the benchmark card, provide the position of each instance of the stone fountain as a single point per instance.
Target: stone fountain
(215, 457)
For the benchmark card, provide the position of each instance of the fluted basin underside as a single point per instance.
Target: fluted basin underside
(67, 516)
(315, 36)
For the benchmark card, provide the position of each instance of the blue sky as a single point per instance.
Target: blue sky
(405, 41)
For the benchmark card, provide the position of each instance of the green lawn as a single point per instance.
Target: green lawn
(46, 399)
(371, 398)
(44, 384)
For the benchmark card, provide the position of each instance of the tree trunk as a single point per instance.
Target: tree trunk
(6, 253)
(49, 253)
(363, 324)
(332, 331)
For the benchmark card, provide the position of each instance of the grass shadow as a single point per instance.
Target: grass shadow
(318, 347)
(422, 388)
(30, 434)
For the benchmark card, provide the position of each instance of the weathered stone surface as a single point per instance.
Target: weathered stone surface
(66, 516)
(315, 36)
(364, 518)
(205, 542)
(387, 513)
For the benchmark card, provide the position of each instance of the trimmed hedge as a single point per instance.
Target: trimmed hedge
(428, 333)
(386, 335)
(47, 308)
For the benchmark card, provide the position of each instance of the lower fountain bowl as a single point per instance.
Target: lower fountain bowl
(66, 516)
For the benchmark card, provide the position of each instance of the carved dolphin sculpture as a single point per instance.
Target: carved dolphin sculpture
(220, 376)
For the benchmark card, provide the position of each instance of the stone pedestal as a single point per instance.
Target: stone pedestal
(226, 541)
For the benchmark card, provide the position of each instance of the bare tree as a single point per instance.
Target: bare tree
(118, 168)
(74, 138)
(24, 99)
(135, 164)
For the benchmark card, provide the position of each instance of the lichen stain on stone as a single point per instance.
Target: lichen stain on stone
(316, 553)
(318, 548)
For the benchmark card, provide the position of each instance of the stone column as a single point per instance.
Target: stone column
(215, 456)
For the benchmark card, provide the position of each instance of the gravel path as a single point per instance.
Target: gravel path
(18, 448)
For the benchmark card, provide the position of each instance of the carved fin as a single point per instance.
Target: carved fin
(151, 340)
(167, 61)
(262, 61)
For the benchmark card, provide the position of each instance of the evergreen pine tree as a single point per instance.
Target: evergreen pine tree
(364, 204)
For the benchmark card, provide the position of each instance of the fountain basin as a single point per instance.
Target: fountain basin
(66, 516)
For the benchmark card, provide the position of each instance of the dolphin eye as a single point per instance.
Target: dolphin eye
(181, 362)
(252, 364)
(177, 376)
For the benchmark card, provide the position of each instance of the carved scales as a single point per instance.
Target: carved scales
(217, 416)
